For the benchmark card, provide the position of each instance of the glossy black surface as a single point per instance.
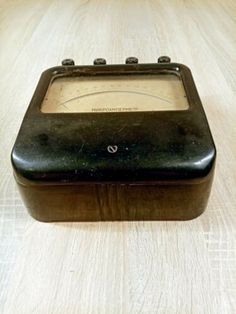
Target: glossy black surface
(151, 146)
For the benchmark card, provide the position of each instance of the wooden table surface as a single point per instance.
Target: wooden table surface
(119, 267)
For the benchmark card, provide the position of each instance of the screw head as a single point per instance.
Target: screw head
(67, 62)
(112, 149)
(99, 61)
(164, 59)
(131, 60)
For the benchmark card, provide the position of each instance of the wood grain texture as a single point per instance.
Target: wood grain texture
(135, 267)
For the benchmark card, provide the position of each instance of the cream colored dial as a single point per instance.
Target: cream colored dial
(125, 93)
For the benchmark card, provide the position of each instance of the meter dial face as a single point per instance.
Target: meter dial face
(121, 93)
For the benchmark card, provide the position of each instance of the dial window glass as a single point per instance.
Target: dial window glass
(121, 93)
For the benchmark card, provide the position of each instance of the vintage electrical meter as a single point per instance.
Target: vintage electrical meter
(115, 142)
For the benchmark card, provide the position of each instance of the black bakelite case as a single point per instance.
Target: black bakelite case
(65, 172)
